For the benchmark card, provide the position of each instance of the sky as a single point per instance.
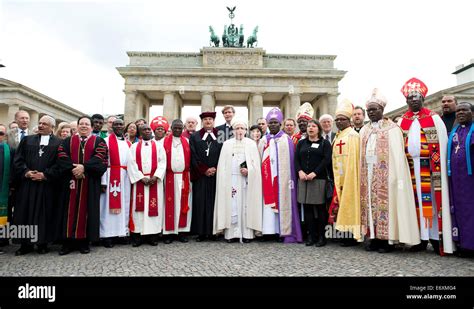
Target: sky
(69, 50)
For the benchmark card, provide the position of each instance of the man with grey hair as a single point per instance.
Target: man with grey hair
(326, 122)
(22, 118)
(190, 127)
(37, 175)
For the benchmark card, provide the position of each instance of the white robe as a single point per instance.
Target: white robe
(143, 223)
(402, 221)
(177, 166)
(239, 202)
(112, 225)
(414, 150)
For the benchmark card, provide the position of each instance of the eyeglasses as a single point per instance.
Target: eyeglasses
(374, 109)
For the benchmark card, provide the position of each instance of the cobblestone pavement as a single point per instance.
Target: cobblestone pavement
(218, 258)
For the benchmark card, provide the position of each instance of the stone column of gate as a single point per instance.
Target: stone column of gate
(255, 106)
(322, 104)
(34, 118)
(294, 104)
(332, 104)
(129, 114)
(12, 109)
(169, 105)
(208, 103)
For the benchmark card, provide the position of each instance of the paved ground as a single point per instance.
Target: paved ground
(221, 259)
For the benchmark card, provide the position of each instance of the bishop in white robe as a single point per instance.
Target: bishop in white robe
(115, 197)
(147, 165)
(178, 188)
(239, 205)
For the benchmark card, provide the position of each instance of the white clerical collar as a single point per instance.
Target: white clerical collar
(375, 124)
(44, 140)
(209, 133)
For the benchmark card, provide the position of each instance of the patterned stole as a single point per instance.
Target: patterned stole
(5, 184)
(430, 166)
(379, 179)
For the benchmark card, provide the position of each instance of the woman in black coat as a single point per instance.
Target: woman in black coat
(312, 163)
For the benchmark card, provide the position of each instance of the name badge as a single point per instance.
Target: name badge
(314, 145)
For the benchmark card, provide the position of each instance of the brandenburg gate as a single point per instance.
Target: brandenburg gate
(230, 74)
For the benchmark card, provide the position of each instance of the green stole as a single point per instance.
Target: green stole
(5, 185)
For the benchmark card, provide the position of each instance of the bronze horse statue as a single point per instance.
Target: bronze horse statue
(214, 37)
(253, 38)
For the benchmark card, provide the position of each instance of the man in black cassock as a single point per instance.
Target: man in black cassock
(82, 159)
(36, 171)
(205, 151)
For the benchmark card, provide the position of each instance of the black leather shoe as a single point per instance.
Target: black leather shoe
(386, 248)
(372, 245)
(85, 250)
(229, 241)
(153, 241)
(136, 243)
(183, 239)
(168, 240)
(200, 238)
(309, 243)
(420, 247)
(348, 242)
(321, 242)
(108, 243)
(24, 250)
(246, 240)
(65, 250)
(42, 249)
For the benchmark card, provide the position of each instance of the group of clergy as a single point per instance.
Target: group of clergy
(390, 183)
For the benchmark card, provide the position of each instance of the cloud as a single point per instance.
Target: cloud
(69, 49)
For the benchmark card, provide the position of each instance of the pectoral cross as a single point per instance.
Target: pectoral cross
(40, 152)
(340, 146)
(456, 148)
(207, 152)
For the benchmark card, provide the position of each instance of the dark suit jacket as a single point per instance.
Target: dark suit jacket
(225, 131)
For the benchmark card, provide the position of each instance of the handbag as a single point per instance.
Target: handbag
(329, 189)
